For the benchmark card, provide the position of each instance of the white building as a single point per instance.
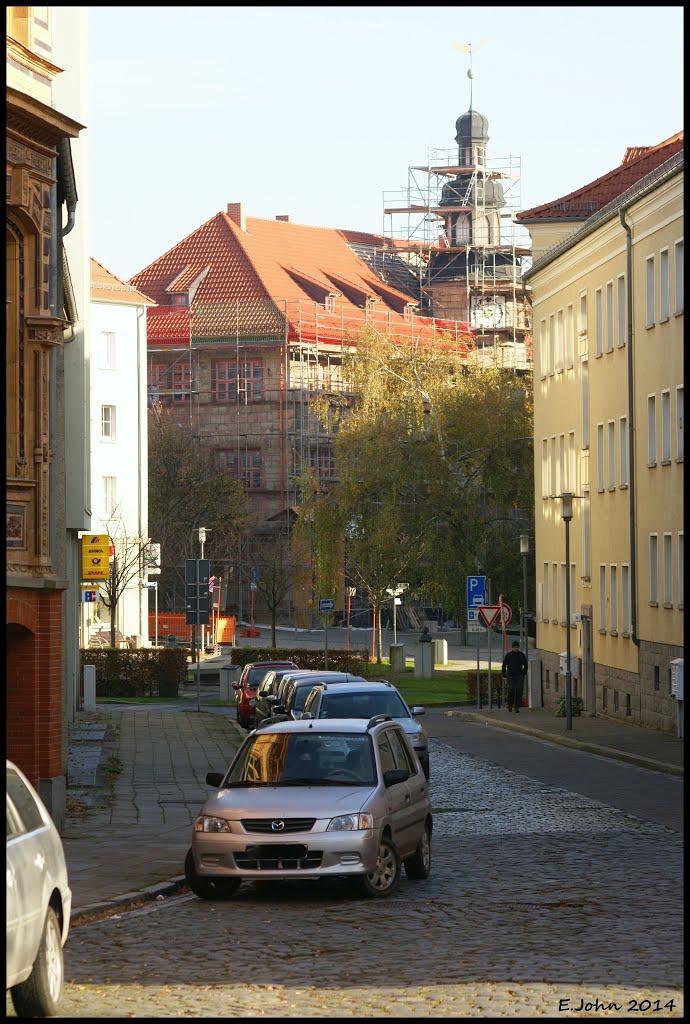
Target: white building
(119, 442)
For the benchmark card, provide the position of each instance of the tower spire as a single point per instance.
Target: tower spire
(467, 48)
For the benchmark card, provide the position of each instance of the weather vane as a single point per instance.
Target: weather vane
(467, 48)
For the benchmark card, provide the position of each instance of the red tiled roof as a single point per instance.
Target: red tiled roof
(183, 280)
(259, 278)
(585, 201)
(106, 287)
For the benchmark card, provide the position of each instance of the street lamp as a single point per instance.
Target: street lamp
(202, 540)
(524, 551)
(566, 516)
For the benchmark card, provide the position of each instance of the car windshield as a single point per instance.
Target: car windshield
(301, 694)
(362, 705)
(314, 759)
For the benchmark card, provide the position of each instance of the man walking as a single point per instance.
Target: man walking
(515, 668)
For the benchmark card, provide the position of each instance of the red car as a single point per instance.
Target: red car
(246, 686)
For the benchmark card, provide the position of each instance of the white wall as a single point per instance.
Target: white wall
(125, 457)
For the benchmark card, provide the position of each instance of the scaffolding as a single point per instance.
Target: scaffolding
(444, 233)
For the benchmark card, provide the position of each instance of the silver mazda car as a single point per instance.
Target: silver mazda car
(313, 800)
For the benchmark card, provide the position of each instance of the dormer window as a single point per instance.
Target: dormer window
(330, 303)
(181, 299)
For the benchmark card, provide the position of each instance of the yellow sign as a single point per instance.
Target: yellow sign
(95, 561)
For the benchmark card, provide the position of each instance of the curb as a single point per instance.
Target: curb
(108, 907)
(566, 741)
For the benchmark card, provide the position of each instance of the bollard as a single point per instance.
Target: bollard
(89, 686)
(440, 652)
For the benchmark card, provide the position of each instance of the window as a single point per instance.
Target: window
(625, 595)
(681, 563)
(582, 320)
(545, 467)
(564, 590)
(546, 592)
(244, 465)
(543, 355)
(569, 337)
(665, 426)
(330, 306)
(623, 439)
(109, 494)
(250, 373)
(679, 422)
(612, 454)
(108, 422)
(107, 350)
(651, 430)
(554, 591)
(572, 475)
(598, 322)
(622, 312)
(584, 401)
(650, 292)
(663, 286)
(609, 317)
(561, 481)
(321, 460)
(385, 753)
(554, 492)
(560, 342)
(602, 597)
(181, 383)
(552, 343)
(679, 277)
(653, 569)
(668, 570)
(586, 538)
(600, 456)
(613, 614)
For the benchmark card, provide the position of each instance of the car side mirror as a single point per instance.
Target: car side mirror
(418, 710)
(394, 776)
(235, 686)
(272, 698)
(214, 779)
(278, 709)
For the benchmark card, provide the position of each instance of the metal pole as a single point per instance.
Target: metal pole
(198, 670)
(155, 616)
(202, 538)
(568, 694)
(349, 599)
(479, 682)
(488, 703)
(395, 635)
(523, 621)
(325, 653)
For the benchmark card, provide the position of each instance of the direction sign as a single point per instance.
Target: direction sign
(326, 604)
(489, 613)
(476, 591)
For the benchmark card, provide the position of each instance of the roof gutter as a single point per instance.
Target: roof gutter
(631, 427)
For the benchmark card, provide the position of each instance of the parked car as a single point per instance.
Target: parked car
(266, 697)
(39, 901)
(372, 697)
(309, 800)
(246, 686)
(295, 687)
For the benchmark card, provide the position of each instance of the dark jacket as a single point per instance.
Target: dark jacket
(514, 664)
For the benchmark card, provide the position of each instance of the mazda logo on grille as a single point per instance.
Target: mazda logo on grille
(277, 826)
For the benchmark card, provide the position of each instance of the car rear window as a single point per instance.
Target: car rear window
(362, 705)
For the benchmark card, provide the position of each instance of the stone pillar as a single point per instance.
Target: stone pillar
(397, 657)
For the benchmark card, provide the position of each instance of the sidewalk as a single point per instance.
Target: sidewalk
(127, 842)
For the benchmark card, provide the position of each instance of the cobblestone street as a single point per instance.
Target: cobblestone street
(541, 902)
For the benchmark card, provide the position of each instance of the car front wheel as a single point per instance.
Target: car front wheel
(206, 887)
(419, 864)
(39, 995)
(384, 879)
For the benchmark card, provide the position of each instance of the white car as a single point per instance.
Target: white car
(39, 901)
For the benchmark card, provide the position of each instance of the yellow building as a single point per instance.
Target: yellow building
(607, 291)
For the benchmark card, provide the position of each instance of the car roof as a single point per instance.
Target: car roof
(327, 725)
(270, 664)
(365, 686)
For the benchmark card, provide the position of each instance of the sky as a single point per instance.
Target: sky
(317, 112)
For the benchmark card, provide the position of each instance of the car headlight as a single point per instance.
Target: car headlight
(350, 822)
(209, 824)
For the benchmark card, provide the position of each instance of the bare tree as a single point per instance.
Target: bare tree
(270, 554)
(126, 565)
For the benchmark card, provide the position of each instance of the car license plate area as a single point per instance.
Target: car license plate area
(278, 857)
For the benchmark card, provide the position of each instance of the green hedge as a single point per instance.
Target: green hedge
(356, 662)
(149, 672)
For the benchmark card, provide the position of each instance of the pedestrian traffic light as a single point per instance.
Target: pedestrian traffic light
(197, 596)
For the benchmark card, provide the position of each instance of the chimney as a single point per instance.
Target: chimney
(283, 216)
(236, 213)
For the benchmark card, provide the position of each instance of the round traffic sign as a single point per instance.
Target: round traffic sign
(506, 613)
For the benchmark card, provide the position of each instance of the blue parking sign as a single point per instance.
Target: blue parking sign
(476, 591)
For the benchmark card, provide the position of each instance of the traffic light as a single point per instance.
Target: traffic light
(197, 596)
